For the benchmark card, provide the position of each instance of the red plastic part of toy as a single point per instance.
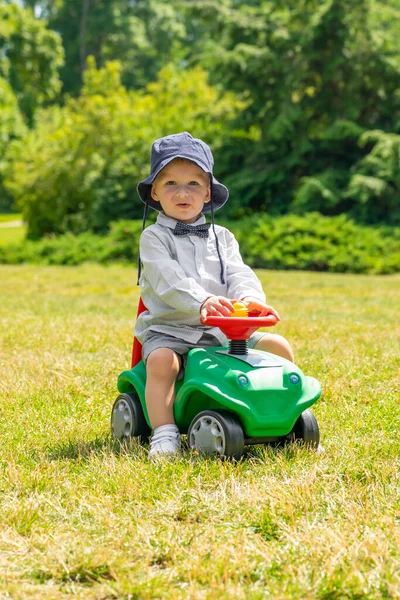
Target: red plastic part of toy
(137, 346)
(240, 328)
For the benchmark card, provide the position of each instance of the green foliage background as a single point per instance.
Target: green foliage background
(78, 168)
(308, 242)
(299, 102)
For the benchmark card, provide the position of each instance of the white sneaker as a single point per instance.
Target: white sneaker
(165, 440)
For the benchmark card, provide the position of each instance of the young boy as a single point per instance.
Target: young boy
(188, 273)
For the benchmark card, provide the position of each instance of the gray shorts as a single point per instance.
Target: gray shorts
(161, 340)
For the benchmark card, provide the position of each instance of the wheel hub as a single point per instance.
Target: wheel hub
(207, 435)
(122, 419)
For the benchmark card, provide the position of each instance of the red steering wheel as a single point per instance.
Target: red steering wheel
(240, 328)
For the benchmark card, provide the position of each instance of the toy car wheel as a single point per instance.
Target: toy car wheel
(216, 432)
(306, 429)
(127, 418)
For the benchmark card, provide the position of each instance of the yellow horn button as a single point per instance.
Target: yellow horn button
(240, 310)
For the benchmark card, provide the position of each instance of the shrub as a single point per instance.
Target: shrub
(318, 243)
(121, 244)
(310, 242)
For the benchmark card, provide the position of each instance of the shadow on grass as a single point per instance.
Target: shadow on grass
(135, 448)
(99, 446)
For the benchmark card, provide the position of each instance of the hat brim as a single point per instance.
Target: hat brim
(219, 192)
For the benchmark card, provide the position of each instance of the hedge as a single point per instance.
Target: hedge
(309, 242)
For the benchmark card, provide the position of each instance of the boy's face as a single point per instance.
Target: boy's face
(182, 189)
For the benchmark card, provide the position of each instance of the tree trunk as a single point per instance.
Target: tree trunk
(82, 34)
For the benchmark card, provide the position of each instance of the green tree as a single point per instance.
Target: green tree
(144, 36)
(77, 169)
(317, 75)
(11, 126)
(374, 185)
(30, 57)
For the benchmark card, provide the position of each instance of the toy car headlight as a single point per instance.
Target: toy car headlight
(294, 378)
(243, 381)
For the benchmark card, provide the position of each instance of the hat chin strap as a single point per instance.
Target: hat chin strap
(215, 235)
(139, 267)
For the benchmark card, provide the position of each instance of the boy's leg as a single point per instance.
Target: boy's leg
(276, 344)
(162, 368)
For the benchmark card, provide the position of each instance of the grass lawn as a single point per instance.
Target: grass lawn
(81, 518)
(12, 234)
(9, 217)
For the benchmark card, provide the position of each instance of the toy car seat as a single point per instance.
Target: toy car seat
(137, 346)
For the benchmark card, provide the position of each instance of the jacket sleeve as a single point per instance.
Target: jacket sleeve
(241, 279)
(167, 279)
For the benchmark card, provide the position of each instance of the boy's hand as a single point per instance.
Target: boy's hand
(254, 305)
(216, 306)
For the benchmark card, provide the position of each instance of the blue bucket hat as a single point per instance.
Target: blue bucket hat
(182, 145)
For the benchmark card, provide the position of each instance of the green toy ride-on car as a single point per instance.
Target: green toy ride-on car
(229, 397)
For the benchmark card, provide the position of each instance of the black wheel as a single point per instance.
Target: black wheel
(306, 429)
(216, 432)
(127, 418)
